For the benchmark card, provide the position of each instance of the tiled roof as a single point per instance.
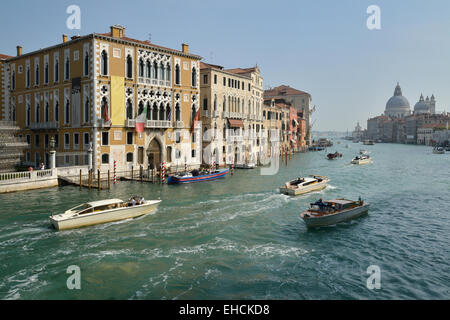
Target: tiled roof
(240, 70)
(4, 56)
(283, 90)
(204, 65)
(433, 125)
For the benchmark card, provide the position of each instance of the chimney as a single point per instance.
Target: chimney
(185, 48)
(117, 31)
(64, 36)
(19, 50)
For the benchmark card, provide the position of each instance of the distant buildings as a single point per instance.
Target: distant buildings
(400, 125)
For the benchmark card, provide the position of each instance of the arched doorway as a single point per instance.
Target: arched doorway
(154, 154)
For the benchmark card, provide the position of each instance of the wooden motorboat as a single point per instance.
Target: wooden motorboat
(304, 185)
(197, 176)
(335, 155)
(96, 212)
(333, 211)
(361, 159)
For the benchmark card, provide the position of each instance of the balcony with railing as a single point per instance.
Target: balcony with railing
(104, 124)
(130, 123)
(158, 124)
(179, 124)
(154, 82)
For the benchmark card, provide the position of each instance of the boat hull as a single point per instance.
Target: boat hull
(105, 216)
(332, 219)
(203, 178)
(311, 188)
(365, 161)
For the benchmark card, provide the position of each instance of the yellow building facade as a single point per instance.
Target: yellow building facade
(87, 91)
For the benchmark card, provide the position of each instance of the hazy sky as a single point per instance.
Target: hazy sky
(322, 47)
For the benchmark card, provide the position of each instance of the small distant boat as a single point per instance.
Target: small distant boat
(97, 212)
(355, 141)
(362, 159)
(447, 148)
(304, 185)
(196, 176)
(333, 211)
(369, 142)
(438, 150)
(245, 166)
(362, 151)
(335, 155)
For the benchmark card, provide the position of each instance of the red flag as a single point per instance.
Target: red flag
(195, 120)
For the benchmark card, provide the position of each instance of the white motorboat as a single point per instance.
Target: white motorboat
(438, 150)
(362, 159)
(103, 211)
(369, 142)
(304, 185)
(363, 152)
(333, 211)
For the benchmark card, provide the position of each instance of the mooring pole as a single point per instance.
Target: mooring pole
(109, 181)
(80, 179)
(132, 169)
(99, 181)
(141, 172)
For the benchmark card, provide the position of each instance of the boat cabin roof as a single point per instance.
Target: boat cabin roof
(341, 201)
(104, 202)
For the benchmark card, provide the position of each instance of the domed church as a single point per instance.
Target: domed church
(425, 105)
(397, 106)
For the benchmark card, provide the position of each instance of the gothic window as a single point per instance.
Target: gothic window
(13, 80)
(86, 63)
(149, 111)
(168, 113)
(168, 72)
(56, 70)
(141, 108)
(67, 73)
(129, 110)
(56, 115)
(66, 112)
(28, 115)
(177, 74)
(177, 112)
(104, 63)
(194, 77)
(86, 110)
(155, 70)
(104, 109)
(141, 68)
(36, 79)
(46, 112)
(155, 112)
(38, 111)
(163, 72)
(161, 112)
(129, 67)
(28, 76)
(46, 73)
(205, 104)
(160, 75)
(148, 69)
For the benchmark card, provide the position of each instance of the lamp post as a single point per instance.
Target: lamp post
(52, 153)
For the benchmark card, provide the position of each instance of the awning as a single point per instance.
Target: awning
(235, 123)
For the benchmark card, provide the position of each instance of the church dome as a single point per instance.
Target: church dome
(398, 105)
(421, 106)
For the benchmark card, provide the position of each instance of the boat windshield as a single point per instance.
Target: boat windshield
(80, 208)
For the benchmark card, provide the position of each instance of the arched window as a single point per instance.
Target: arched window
(38, 111)
(129, 110)
(194, 77)
(161, 112)
(163, 72)
(155, 112)
(86, 111)
(193, 113)
(56, 76)
(104, 63)
(86, 63)
(28, 76)
(28, 114)
(141, 107)
(129, 67)
(168, 113)
(13, 80)
(215, 102)
(224, 104)
(141, 68)
(149, 111)
(168, 72)
(36, 79)
(56, 115)
(46, 112)
(177, 112)
(148, 69)
(66, 112)
(155, 70)
(67, 75)
(177, 74)
(46, 73)
(160, 72)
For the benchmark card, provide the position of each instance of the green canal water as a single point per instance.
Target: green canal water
(238, 238)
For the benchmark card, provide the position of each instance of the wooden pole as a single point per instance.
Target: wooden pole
(80, 179)
(99, 181)
(90, 179)
(132, 169)
(109, 181)
(141, 172)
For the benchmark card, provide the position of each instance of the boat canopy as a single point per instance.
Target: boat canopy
(104, 202)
